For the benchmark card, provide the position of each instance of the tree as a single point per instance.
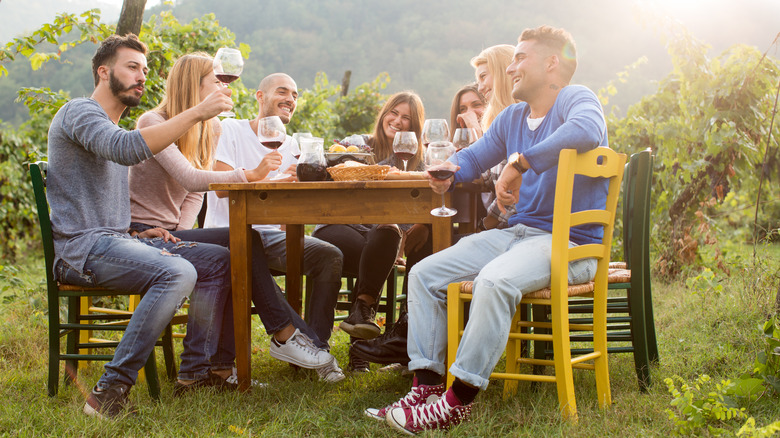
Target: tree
(131, 17)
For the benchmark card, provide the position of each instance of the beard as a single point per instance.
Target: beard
(117, 89)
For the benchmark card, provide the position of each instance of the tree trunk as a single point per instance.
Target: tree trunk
(131, 18)
(345, 82)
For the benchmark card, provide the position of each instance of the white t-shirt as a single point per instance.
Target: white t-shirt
(239, 147)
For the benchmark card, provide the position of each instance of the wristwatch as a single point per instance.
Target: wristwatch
(514, 160)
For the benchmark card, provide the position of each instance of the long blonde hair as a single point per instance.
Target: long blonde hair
(497, 59)
(382, 146)
(182, 92)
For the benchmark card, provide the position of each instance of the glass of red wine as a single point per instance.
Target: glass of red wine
(228, 64)
(271, 132)
(435, 130)
(464, 137)
(441, 163)
(405, 146)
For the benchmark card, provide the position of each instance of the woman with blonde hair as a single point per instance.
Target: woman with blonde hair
(493, 82)
(167, 192)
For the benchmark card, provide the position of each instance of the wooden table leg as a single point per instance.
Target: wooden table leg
(241, 277)
(294, 277)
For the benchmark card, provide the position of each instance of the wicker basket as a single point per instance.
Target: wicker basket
(358, 173)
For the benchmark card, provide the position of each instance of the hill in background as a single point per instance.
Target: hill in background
(426, 46)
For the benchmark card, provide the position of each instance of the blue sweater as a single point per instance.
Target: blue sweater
(87, 184)
(575, 121)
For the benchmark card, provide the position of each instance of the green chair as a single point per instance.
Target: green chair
(630, 319)
(82, 316)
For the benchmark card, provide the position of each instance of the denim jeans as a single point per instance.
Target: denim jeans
(322, 262)
(504, 264)
(272, 307)
(165, 273)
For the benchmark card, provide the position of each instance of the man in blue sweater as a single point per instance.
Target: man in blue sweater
(90, 214)
(504, 264)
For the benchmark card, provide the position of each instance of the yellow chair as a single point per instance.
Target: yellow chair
(602, 163)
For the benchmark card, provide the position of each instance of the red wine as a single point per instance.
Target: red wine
(226, 78)
(272, 144)
(311, 172)
(404, 156)
(441, 174)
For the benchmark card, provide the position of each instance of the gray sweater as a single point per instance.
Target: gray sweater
(87, 184)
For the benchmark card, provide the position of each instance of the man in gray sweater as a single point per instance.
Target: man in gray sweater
(90, 212)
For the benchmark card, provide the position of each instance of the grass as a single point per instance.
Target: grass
(699, 331)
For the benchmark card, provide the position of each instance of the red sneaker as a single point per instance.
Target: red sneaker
(419, 395)
(443, 414)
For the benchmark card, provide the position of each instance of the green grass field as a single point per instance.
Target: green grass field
(700, 331)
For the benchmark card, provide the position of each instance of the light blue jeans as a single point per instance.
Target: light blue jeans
(322, 262)
(503, 264)
(165, 273)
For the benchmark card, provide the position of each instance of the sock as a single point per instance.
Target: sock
(427, 377)
(465, 394)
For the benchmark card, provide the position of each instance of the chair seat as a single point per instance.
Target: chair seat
(616, 275)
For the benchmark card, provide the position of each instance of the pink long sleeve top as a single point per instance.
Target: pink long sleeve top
(167, 191)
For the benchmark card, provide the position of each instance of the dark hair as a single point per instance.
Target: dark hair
(455, 107)
(106, 53)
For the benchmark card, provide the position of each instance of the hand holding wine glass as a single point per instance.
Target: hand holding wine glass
(464, 137)
(435, 130)
(441, 163)
(405, 146)
(271, 132)
(228, 65)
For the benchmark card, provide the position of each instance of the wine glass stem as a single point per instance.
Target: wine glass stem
(405, 161)
(443, 205)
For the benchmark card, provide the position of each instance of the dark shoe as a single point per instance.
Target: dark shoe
(110, 402)
(212, 381)
(386, 349)
(356, 364)
(361, 321)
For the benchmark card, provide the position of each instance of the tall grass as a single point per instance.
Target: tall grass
(699, 331)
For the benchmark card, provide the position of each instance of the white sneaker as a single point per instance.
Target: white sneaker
(331, 372)
(300, 350)
(233, 380)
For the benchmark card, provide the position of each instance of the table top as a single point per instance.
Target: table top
(298, 185)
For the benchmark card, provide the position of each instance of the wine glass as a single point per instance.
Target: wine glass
(271, 132)
(464, 137)
(228, 64)
(435, 130)
(405, 146)
(441, 163)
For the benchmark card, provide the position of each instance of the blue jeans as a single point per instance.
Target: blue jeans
(165, 273)
(504, 264)
(322, 262)
(272, 307)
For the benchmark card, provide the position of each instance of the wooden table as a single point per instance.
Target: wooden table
(299, 203)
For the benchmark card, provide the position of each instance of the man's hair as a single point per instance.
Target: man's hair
(559, 42)
(106, 53)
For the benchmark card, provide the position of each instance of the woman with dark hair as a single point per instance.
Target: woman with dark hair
(370, 250)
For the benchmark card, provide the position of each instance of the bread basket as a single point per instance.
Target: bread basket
(358, 173)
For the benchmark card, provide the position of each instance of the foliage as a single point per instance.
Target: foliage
(708, 127)
(323, 115)
(57, 34)
(701, 404)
